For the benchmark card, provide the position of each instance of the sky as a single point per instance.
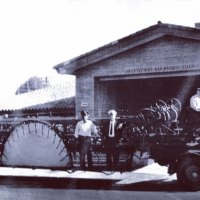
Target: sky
(36, 35)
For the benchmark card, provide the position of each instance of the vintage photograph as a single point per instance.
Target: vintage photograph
(100, 99)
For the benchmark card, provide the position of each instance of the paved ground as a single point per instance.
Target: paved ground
(151, 182)
(147, 173)
(35, 188)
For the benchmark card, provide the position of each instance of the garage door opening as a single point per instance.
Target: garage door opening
(127, 96)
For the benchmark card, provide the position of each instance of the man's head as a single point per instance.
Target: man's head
(112, 114)
(84, 115)
(198, 91)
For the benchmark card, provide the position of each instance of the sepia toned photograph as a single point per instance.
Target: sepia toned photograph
(100, 99)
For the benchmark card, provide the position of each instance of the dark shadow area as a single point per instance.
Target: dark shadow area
(89, 184)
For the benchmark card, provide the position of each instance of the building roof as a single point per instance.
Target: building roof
(129, 42)
(45, 98)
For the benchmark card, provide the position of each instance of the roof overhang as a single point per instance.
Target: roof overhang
(139, 38)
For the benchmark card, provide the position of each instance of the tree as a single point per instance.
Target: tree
(33, 83)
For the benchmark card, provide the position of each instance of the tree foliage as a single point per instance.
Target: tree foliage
(33, 83)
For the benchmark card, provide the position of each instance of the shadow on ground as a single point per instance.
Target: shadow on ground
(88, 184)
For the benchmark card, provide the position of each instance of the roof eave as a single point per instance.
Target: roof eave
(116, 47)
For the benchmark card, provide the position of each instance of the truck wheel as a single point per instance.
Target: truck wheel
(188, 174)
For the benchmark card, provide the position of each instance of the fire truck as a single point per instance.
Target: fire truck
(157, 131)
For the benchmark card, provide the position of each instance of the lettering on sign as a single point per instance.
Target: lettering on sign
(160, 69)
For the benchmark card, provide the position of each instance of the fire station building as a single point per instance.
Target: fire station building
(159, 62)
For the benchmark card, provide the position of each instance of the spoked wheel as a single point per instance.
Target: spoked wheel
(159, 104)
(188, 174)
(173, 114)
(161, 107)
(176, 104)
(35, 144)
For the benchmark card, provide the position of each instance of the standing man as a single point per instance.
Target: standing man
(83, 131)
(195, 101)
(112, 132)
(194, 111)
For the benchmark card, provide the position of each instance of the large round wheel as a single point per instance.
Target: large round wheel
(35, 144)
(188, 174)
(159, 104)
(176, 104)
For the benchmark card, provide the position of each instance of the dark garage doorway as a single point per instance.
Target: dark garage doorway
(127, 96)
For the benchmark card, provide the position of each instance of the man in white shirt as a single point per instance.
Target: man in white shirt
(83, 131)
(193, 115)
(195, 101)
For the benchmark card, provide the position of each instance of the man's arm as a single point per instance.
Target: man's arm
(76, 130)
(94, 130)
